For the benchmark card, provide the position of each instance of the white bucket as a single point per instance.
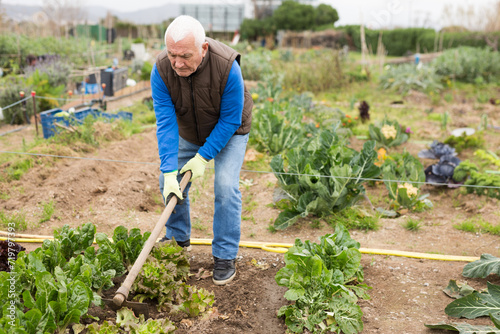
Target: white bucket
(459, 132)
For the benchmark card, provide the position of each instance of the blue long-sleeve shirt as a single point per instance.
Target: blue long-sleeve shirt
(167, 131)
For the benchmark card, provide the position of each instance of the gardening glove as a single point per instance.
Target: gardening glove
(196, 165)
(171, 186)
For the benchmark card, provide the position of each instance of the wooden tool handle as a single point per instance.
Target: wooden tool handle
(122, 293)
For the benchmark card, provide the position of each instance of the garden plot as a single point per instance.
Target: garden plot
(406, 293)
(105, 198)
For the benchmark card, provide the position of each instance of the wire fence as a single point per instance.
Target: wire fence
(243, 170)
(257, 171)
(67, 99)
(15, 103)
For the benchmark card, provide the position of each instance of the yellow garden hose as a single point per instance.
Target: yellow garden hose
(277, 247)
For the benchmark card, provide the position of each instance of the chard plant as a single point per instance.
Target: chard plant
(322, 176)
(387, 133)
(324, 283)
(58, 282)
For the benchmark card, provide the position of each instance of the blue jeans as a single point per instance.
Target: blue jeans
(227, 208)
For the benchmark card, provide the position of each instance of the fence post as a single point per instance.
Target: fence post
(24, 109)
(33, 93)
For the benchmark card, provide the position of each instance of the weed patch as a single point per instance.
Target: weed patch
(354, 219)
(412, 225)
(48, 209)
(17, 221)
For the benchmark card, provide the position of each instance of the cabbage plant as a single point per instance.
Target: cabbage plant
(322, 176)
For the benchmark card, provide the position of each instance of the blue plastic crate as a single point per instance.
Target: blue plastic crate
(49, 119)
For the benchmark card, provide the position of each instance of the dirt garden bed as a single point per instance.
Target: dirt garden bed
(405, 294)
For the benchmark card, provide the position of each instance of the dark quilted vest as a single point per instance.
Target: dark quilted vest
(197, 98)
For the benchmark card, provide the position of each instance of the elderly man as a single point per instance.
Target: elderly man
(203, 112)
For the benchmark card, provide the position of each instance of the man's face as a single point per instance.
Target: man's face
(184, 56)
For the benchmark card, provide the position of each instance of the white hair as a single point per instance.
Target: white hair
(183, 26)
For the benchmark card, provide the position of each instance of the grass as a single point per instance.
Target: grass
(412, 225)
(477, 224)
(198, 225)
(271, 227)
(18, 167)
(355, 219)
(142, 115)
(48, 209)
(157, 198)
(13, 223)
(250, 205)
(87, 139)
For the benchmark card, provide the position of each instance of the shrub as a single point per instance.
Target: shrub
(256, 65)
(9, 93)
(406, 77)
(314, 71)
(146, 70)
(468, 64)
(398, 42)
(57, 71)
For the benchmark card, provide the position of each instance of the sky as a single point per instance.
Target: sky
(374, 13)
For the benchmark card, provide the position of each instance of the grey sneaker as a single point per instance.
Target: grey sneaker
(224, 271)
(185, 244)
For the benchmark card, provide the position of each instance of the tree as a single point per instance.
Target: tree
(251, 29)
(63, 13)
(325, 14)
(292, 15)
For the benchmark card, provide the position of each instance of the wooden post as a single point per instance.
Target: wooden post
(24, 109)
(33, 93)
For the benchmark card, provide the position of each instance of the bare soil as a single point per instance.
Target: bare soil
(406, 292)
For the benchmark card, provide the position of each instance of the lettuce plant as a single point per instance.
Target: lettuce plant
(163, 278)
(127, 322)
(322, 176)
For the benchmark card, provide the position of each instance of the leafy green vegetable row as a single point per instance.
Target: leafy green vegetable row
(54, 286)
(60, 280)
(324, 281)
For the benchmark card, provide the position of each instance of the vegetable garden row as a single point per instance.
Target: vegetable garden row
(319, 175)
